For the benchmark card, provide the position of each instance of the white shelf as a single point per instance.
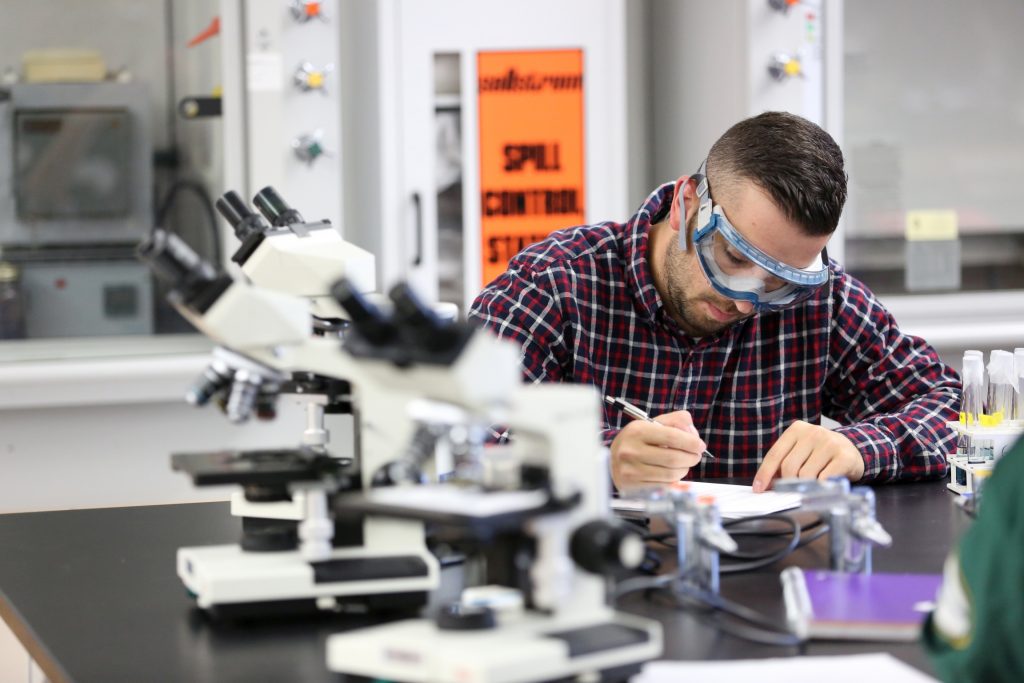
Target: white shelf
(113, 371)
(980, 320)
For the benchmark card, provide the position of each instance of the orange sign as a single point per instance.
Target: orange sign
(531, 149)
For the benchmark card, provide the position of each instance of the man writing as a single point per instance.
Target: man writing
(716, 310)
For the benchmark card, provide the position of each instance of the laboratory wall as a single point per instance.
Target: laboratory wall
(680, 94)
(147, 41)
(908, 92)
(117, 28)
(92, 421)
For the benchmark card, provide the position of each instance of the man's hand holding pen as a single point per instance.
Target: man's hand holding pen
(650, 451)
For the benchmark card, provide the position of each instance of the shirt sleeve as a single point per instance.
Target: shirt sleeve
(888, 390)
(974, 632)
(523, 307)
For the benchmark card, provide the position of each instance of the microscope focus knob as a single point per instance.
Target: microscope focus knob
(604, 547)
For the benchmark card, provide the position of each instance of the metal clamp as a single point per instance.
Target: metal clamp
(700, 536)
(850, 514)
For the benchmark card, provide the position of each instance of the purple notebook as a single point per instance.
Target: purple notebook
(831, 605)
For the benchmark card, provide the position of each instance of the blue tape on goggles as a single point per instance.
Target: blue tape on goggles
(739, 270)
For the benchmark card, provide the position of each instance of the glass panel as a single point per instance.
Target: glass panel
(449, 173)
(933, 121)
(95, 153)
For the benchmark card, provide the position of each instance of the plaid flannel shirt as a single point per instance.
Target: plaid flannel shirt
(583, 306)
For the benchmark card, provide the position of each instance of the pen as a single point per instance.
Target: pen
(638, 414)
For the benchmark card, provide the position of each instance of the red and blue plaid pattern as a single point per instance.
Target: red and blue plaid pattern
(583, 306)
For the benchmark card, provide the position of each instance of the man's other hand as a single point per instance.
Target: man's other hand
(809, 451)
(653, 453)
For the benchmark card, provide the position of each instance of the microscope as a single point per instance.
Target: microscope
(293, 556)
(532, 513)
(285, 253)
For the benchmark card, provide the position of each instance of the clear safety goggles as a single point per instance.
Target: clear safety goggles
(739, 270)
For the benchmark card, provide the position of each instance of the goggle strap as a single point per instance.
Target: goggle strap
(702, 185)
(705, 207)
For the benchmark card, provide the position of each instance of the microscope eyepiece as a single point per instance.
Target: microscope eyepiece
(275, 208)
(367, 319)
(233, 208)
(193, 281)
(419, 322)
(173, 261)
(410, 309)
(242, 219)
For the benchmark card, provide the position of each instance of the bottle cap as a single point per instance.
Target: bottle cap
(974, 370)
(1000, 367)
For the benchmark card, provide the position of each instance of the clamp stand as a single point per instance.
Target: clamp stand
(850, 514)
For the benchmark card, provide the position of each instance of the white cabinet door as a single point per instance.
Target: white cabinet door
(430, 80)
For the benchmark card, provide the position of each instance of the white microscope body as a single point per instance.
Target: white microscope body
(537, 509)
(292, 256)
(286, 254)
(267, 337)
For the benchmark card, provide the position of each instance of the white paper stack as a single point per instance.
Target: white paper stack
(735, 501)
(839, 669)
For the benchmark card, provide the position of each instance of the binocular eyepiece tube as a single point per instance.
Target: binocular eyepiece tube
(174, 262)
(275, 209)
(242, 219)
(246, 223)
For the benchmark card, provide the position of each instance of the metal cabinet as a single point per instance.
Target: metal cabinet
(434, 146)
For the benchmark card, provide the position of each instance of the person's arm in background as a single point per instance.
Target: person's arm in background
(888, 390)
(525, 307)
(974, 634)
(522, 306)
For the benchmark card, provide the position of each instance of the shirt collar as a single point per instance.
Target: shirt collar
(639, 279)
(638, 274)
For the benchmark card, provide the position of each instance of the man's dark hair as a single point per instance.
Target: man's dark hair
(797, 163)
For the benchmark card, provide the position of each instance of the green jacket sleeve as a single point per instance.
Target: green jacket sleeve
(976, 633)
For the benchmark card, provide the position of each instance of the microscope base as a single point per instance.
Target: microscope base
(229, 581)
(530, 647)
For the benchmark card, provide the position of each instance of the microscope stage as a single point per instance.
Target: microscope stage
(454, 506)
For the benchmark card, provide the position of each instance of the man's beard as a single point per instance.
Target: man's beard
(686, 310)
